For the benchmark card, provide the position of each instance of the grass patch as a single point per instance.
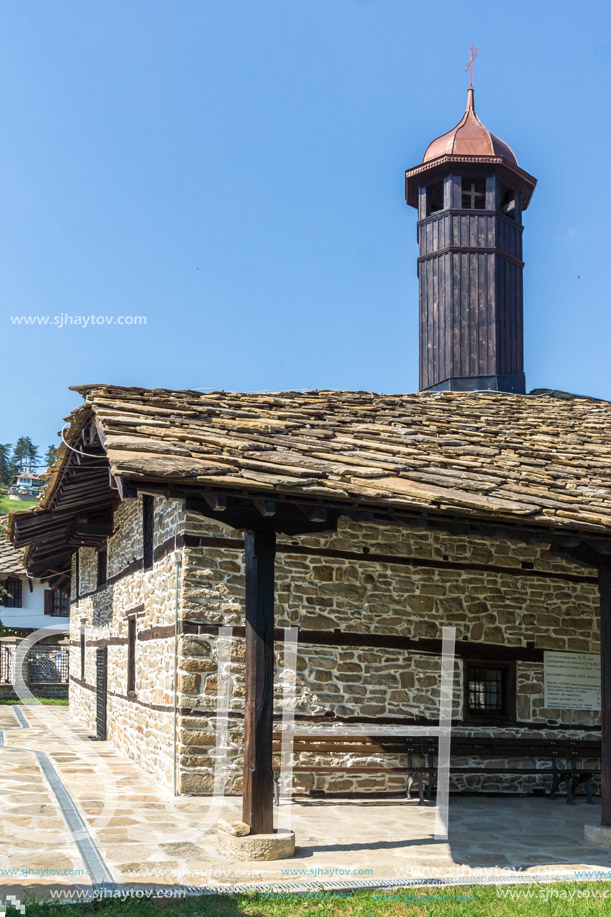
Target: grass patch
(52, 701)
(574, 899)
(7, 505)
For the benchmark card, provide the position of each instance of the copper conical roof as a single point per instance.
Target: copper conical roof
(469, 138)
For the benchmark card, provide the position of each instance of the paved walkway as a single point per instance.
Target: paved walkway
(84, 810)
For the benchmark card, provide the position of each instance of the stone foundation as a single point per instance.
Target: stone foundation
(257, 846)
(59, 691)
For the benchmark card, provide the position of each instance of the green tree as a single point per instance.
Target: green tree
(25, 454)
(51, 455)
(6, 465)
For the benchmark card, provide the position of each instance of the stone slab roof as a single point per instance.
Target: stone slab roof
(542, 458)
(11, 560)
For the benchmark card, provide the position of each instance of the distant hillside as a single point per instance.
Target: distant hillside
(10, 506)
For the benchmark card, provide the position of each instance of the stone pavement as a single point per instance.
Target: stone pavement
(83, 809)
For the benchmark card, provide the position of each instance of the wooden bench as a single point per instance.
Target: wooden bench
(341, 745)
(567, 759)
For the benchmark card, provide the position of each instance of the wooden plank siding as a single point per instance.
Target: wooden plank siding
(470, 271)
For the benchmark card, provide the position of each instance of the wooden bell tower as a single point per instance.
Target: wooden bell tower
(470, 194)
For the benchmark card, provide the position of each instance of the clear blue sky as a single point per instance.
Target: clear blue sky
(233, 171)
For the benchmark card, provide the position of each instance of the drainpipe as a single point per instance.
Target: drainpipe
(177, 560)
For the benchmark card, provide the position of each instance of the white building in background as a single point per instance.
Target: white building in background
(26, 603)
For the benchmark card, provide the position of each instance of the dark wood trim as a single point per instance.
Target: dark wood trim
(132, 636)
(604, 583)
(81, 683)
(148, 531)
(332, 719)
(137, 564)
(48, 601)
(83, 650)
(205, 541)
(106, 641)
(169, 545)
(135, 610)
(426, 645)
(525, 531)
(134, 565)
(160, 708)
(237, 716)
(102, 574)
(158, 632)
(454, 212)
(470, 250)
(463, 648)
(257, 800)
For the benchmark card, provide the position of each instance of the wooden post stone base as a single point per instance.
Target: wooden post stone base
(256, 846)
(597, 835)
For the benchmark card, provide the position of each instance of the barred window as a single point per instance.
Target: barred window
(57, 602)
(10, 594)
(61, 603)
(489, 691)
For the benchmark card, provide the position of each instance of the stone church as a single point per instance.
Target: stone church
(367, 521)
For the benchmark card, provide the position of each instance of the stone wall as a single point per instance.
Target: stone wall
(378, 589)
(366, 595)
(58, 690)
(141, 724)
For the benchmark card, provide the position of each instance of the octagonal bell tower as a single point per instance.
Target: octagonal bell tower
(470, 194)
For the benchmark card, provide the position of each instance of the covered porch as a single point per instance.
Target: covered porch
(260, 633)
(170, 841)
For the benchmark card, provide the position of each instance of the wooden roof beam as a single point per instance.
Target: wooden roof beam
(315, 513)
(216, 502)
(267, 508)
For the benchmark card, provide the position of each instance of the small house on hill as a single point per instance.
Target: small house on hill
(27, 485)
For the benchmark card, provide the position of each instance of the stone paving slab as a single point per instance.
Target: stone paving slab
(34, 839)
(149, 837)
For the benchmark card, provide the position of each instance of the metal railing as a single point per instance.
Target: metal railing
(45, 664)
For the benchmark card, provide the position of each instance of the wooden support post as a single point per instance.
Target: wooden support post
(491, 192)
(257, 805)
(604, 584)
(422, 203)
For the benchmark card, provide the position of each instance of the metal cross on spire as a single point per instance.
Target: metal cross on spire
(470, 65)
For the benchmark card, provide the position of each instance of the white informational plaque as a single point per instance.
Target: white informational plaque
(572, 680)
